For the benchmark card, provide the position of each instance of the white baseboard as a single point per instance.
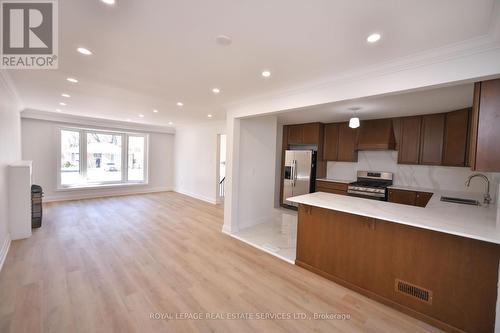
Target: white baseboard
(213, 201)
(4, 250)
(65, 196)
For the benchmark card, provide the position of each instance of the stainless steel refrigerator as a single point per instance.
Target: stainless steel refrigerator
(299, 174)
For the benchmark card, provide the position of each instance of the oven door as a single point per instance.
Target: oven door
(365, 195)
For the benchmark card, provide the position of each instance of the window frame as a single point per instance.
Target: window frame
(83, 133)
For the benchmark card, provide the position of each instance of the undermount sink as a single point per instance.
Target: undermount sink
(461, 201)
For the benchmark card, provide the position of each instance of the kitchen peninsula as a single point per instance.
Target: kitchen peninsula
(438, 263)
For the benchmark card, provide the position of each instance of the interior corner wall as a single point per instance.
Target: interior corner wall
(196, 159)
(257, 171)
(10, 151)
(40, 145)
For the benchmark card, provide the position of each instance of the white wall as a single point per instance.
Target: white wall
(257, 171)
(432, 177)
(10, 151)
(196, 160)
(40, 144)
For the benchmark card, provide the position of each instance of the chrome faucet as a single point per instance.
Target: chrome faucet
(487, 198)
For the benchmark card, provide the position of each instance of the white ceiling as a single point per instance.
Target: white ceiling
(404, 104)
(150, 54)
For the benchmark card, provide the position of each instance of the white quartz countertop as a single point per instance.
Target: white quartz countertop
(476, 222)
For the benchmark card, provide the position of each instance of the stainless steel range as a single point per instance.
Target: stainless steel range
(370, 185)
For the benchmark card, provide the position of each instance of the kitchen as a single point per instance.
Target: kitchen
(417, 154)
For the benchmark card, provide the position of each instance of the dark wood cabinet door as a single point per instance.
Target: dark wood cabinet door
(487, 155)
(295, 134)
(431, 149)
(422, 198)
(402, 197)
(455, 138)
(348, 140)
(396, 126)
(330, 147)
(409, 146)
(311, 133)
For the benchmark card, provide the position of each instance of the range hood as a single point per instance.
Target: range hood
(376, 134)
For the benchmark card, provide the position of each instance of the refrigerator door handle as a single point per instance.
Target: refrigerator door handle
(294, 172)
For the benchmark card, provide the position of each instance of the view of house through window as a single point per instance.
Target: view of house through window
(99, 158)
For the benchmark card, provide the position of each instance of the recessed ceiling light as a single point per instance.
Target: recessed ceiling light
(209, 116)
(109, 2)
(58, 110)
(62, 104)
(128, 119)
(141, 115)
(223, 40)
(373, 38)
(155, 111)
(72, 80)
(170, 123)
(266, 73)
(66, 95)
(180, 104)
(216, 90)
(84, 51)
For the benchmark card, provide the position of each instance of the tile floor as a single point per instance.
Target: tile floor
(278, 237)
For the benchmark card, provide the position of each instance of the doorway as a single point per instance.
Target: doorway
(221, 167)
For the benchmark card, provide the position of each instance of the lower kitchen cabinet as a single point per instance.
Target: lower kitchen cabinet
(445, 280)
(412, 198)
(331, 187)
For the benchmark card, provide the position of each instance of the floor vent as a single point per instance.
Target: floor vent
(413, 291)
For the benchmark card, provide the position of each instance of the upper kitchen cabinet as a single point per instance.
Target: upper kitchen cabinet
(340, 143)
(484, 154)
(305, 134)
(377, 134)
(409, 140)
(455, 138)
(331, 145)
(432, 135)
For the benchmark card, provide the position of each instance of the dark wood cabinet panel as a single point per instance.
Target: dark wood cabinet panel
(331, 187)
(432, 134)
(370, 256)
(422, 198)
(409, 146)
(331, 142)
(455, 138)
(485, 155)
(376, 134)
(311, 133)
(402, 197)
(295, 134)
(348, 140)
(396, 125)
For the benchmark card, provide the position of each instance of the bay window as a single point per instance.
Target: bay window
(97, 158)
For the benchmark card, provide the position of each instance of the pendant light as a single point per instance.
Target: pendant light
(354, 121)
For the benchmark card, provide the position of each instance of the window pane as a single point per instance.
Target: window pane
(104, 157)
(70, 158)
(136, 158)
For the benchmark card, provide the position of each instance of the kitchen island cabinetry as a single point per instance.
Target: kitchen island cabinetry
(445, 280)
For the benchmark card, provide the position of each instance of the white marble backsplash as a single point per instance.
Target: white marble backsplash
(434, 177)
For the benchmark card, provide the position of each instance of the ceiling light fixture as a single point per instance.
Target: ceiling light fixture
(155, 111)
(223, 40)
(128, 119)
(62, 104)
(141, 115)
(209, 116)
(58, 110)
(66, 95)
(216, 90)
(266, 73)
(84, 51)
(180, 104)
(373, 38)
(72, 80)
(170, 123)
(109, 2)
(354, 121)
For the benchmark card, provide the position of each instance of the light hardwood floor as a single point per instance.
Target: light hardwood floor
(104, 265)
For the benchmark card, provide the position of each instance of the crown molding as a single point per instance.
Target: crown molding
(6, 81)
(96, 122)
